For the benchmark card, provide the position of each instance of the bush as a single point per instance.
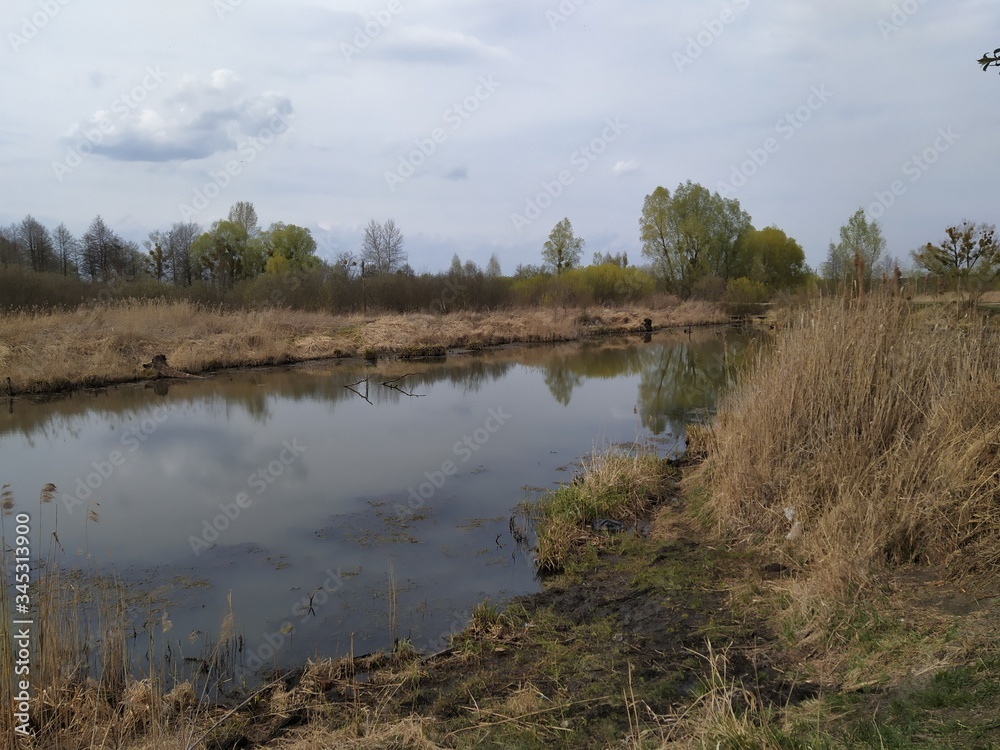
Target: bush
(744, 296)
(709, 288)
(606, 284)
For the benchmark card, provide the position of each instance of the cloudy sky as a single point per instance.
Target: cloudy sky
(477, 126)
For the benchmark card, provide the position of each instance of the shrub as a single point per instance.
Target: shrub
(709, 288)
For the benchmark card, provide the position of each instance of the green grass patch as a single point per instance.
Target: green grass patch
(618, 487)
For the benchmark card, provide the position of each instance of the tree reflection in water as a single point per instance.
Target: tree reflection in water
(676, 374)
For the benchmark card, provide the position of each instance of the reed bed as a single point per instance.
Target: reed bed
(45, 351)
(868, 435)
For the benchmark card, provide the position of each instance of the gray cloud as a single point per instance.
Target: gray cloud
(201, 117)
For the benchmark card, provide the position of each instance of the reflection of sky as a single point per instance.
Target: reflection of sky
(328, 508)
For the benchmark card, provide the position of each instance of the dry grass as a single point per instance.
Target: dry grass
(725, 713)
(45, 351)
(869, 435)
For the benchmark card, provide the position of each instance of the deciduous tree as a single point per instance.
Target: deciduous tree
(289, 248)
(36, 244)
(382, 247)
(67, 250)
(156, 261)
(10, 251)
(691, 234)
(493, 267)
(775, 259)
(562, 249)
(969, 257)
(226, 254)
(244, 214)
(859, 239)
(103, 254)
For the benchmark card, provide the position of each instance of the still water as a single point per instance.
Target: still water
(300, 497)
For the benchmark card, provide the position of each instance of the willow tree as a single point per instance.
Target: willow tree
(692, 234)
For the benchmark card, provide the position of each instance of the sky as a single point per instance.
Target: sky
(477, 126)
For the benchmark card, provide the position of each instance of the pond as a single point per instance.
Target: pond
(335, 506)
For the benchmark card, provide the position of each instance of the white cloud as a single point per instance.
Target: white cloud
(624, 167)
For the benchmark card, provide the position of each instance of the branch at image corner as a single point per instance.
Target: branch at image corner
(987, 60)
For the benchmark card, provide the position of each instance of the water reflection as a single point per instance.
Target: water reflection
(677, 373)
(267, 483)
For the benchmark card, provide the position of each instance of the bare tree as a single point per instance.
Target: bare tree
(10, 251)
(67, 249)
(244, 214)
(36, 244)
(103, 254)
(346, 263)
(158, 254)
(382, 247)
(179, 241)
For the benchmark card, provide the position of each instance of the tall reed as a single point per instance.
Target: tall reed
(868, 434)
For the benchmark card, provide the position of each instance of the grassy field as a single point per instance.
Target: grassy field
(820, 571)
(89, 346)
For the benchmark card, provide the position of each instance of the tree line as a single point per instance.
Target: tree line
(694, 243)
(230, 250)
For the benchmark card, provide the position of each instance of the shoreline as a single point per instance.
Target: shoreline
(60, 352)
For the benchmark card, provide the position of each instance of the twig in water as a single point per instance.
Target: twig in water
(392, 384)
(353, 390)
